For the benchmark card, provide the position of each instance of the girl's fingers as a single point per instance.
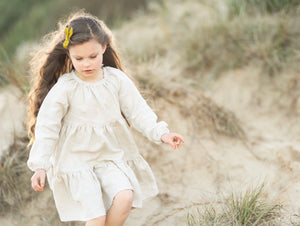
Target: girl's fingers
(33, 181)
(177, 138)
(38, 183)
(35, 185)
(180, 137)
(38, 188)
(178, 141)
(173, 139)
(42, 181)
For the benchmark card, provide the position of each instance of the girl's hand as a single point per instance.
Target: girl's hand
(173, 139)
(38, 180)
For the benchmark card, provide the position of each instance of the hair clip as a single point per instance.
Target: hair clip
(68, 33)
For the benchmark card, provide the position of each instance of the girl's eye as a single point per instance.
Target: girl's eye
(78, 59)
(93, 56)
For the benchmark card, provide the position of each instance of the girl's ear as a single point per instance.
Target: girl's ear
(104, 48)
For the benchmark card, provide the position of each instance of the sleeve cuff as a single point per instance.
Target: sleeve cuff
(35, 166)
(160, 130)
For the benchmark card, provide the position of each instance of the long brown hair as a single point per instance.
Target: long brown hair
(52, 60)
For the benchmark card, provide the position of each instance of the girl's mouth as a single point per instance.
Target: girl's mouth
(88, 71)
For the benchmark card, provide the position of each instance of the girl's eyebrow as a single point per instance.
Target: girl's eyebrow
(92, 54)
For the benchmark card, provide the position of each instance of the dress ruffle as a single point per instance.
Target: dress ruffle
(79, 188)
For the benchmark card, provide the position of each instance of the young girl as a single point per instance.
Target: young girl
(80, 108)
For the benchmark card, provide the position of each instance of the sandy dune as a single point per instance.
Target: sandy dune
(209, 166)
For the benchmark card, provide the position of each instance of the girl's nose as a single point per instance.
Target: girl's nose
(86, 62)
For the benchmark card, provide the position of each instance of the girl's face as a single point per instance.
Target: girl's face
(87, 60)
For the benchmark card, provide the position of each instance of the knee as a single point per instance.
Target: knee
(125, 198)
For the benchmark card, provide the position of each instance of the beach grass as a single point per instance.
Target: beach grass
(15, 176)
(249, 208)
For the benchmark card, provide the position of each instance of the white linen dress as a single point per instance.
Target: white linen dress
(79, 126)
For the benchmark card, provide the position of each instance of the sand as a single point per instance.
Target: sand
(12, 108)
(209, 166)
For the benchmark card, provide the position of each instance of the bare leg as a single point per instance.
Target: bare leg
(120, 208)
(99, 221)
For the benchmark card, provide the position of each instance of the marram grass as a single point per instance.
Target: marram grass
(11, 73)
(15, 185)
(243, 209)
(238, 7)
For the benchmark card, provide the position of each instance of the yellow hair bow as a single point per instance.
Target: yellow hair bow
(68, 33)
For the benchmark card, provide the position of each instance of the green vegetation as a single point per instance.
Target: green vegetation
(238, 7)
(240, 38)
(12, 11)
(245, 209)
(28, 20)
(240, 42)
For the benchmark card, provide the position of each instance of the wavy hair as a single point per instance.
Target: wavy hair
(51, 60)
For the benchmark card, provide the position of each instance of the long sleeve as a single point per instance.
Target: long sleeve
(137, 111)
(47, 127)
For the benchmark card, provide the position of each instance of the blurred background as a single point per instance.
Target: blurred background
(224, 74)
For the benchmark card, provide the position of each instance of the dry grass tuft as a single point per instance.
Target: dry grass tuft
(267, 42)
(13, 73)
(249, 208)
(15, 184)
(209, 115)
